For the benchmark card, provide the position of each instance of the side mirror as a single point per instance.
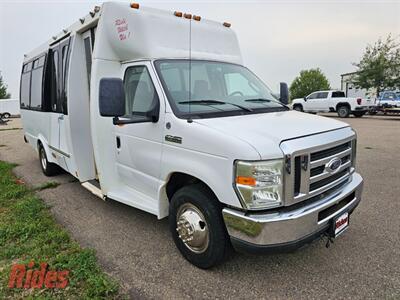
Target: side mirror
(305, 98)
(111, 97)
(284, 93)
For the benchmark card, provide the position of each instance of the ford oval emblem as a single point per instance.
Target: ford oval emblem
(333, 165)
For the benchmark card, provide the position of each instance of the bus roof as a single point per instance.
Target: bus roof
(125, 33)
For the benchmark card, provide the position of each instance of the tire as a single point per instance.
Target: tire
(48, 168)
(358, 114)
(343, 111)
(197, 207)
(298, 107)
(6, 115)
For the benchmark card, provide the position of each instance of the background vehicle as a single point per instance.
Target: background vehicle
(333, 101)
(164, 117)
(9, 107)
(388, 99)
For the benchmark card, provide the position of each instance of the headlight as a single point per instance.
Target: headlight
(259, 184)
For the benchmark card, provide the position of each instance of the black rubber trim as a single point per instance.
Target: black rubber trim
(246, 247)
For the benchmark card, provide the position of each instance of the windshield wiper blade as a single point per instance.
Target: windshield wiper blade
(258, 100)
(211, 102)
(263, 100)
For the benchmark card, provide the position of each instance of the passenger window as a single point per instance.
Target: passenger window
(54, 82)
(25, 89)
(141, 95)
(36, 88)
(338, 94)
(313, 96)
(65, 59)
(27, 67)
(322, 95)
(88, 54)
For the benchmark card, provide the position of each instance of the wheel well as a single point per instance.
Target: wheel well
(297, 104)
(342, 104)
(178, 180)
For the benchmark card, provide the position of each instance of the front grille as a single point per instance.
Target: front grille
(325, 181)
(311, 172)
(331, 151)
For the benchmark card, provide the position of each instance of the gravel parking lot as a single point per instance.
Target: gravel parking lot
(137, 250)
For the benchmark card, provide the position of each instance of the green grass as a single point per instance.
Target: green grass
(28, 232)
(47, 185)
(5, 129)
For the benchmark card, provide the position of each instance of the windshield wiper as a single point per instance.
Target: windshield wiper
(258, 100)
(213, 102)
(263, 100)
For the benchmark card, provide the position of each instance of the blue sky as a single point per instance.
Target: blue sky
(277, 38)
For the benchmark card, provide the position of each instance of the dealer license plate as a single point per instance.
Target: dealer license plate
(340, 224)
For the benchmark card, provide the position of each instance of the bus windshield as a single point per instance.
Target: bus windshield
(200, 88)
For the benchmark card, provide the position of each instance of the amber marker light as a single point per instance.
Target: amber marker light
(178, 14)
(187, 16)
(135, 5)
(196, 18)
(246, 180)
(226, 24)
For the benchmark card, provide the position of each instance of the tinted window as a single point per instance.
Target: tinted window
(65, 59)
(338, 94)
(140, 92)
(322, 95)
(25, 89)
(27, 67)
(39, 62)
(55, 82)
(36, 88)
(88, 54)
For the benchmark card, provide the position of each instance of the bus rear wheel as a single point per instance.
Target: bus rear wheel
(48, 168)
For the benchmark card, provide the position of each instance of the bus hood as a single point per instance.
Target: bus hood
(264, 130)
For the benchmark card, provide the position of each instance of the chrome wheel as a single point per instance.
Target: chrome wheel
(192, 228)
(43, 158)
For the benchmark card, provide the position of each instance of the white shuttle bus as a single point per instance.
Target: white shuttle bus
(155, 109)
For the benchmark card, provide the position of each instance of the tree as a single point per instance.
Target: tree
(3, 89)
(379, 66)
(307, 82)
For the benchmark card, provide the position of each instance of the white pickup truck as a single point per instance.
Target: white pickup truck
(333, 101)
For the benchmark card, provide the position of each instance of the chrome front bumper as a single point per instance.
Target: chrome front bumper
(291, 227)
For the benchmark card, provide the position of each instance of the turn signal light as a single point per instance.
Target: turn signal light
(187, 16)
(196, 18)
(135, 5)
(178, 14)
(226, 24)
(246, 180)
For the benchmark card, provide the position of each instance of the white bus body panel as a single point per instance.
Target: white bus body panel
(137, 174)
